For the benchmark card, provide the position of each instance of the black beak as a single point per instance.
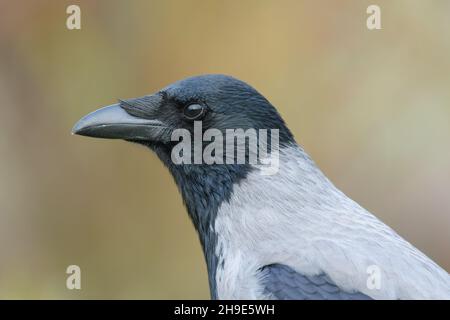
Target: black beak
(113, 122)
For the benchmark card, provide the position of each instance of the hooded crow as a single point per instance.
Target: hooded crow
(287, 235)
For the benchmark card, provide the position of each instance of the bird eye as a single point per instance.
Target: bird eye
(194, 111)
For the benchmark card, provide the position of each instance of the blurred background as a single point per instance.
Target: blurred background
(371, 107)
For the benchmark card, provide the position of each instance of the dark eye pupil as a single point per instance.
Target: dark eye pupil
(193, 111)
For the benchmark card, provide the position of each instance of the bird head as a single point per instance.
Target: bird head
(218, 101)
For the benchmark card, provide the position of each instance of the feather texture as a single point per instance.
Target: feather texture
(284, 283)
(299, 219)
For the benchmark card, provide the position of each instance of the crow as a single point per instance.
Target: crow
(286, 235)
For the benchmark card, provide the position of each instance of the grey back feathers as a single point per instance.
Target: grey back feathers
(299, 219)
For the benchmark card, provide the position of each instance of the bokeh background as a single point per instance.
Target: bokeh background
(371, 107)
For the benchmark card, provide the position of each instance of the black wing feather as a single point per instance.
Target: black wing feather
(284, 283)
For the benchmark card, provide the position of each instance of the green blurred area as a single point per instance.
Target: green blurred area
(371, 107)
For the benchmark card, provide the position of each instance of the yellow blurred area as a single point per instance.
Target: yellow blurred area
(371, 107)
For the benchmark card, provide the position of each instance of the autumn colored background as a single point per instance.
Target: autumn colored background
(371, 107)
